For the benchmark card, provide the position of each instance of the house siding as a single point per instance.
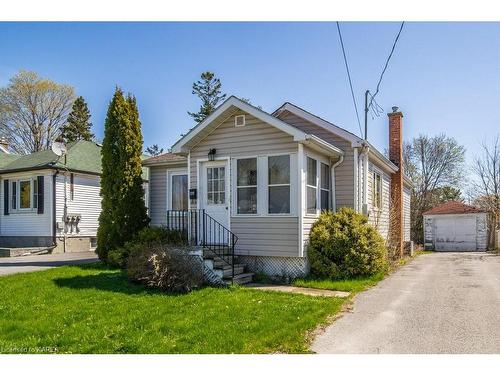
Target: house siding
(158, 192)
(31, 223)
(344, 173)
(380, 219)
(86, 202)
(257, 235)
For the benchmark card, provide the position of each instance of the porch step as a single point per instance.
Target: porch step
(228, 270)
(242, 278)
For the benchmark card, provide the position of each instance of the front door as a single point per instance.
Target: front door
(215, 195)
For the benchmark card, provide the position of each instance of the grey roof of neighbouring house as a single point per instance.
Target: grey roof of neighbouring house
(82, 156)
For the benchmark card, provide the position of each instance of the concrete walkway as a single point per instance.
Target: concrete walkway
(299, 290)
(438, 303)
(32, 263)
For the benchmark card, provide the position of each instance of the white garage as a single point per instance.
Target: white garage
(455, 226)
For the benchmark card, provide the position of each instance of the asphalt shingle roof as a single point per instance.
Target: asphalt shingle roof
(82, 156)
(453, 207)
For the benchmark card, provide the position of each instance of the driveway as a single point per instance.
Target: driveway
(438, 303)
(41, 262)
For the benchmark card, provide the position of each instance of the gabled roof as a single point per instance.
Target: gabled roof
(82, 156)
(225, 110)
(453, 207)
(336, 130)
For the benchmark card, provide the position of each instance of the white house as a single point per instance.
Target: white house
(49, 202)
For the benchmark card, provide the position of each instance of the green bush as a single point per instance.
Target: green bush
(146, 236)
(166, 267)
(344, 245)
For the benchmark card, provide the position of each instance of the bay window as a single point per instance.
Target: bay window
(311, 186)
(278, 184)
(246, 186)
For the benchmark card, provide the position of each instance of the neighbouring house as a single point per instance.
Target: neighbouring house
(51, 203)
(259, 180)
(456, 226)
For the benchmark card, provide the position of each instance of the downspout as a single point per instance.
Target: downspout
(54, 219)
(333, 189)
(364, 152)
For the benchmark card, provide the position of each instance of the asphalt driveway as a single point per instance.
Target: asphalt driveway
(439, 303)
(41, 262)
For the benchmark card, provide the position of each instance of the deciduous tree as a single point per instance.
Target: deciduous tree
(33, 110)
(431, 163)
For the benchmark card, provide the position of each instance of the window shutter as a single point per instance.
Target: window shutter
(40, 193)
(5, 197)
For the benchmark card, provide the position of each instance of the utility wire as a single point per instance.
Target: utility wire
(386, 63)
(350, 81)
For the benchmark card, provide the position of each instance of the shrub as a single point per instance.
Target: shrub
(146, 236)
(168, 268)
(344, 245)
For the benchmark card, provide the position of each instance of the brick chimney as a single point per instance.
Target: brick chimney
(396, 156)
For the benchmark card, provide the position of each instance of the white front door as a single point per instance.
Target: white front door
(215, 191)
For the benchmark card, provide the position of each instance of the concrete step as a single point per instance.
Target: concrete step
(242, 278)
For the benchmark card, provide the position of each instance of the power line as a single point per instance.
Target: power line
(387, 63)
(350, 81)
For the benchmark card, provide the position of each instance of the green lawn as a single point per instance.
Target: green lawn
(91, 309)
(346, 285)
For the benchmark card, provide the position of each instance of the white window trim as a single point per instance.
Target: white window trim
(218, 191)
(375, 172)
(329, 190)
(236, 121)
(263, 187)
(319, 159)
(170, 173)
(235, 209)
(18, 208)
(268, 185)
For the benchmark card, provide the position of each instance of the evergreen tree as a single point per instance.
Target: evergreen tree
(154, 150)
(123, 211)
(78, 125)
(208, 89)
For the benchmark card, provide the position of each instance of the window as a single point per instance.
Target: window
(325, 186)
(14, 195)
(377, 191)
(239, 120)
(216, 185)
(279, 184)
(312, 186)
(179, 192)
(246, 186)
(24, 194)
(35, 193)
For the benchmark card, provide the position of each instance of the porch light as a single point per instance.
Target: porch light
(211, 154)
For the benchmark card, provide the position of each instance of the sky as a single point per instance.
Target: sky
(444, 77)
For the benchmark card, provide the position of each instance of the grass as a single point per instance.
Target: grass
(354, 285)
(92, 309)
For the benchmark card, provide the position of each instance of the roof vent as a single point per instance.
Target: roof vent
(239, 120)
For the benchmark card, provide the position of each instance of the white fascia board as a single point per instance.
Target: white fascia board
(321, 145)
(297, 134)
(320, 122)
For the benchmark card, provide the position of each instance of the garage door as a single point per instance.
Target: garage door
(455, 233)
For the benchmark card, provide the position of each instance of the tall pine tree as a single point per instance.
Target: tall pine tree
(123, 211)
(78, 125)
(208, 89)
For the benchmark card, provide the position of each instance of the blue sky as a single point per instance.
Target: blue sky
(445, 77)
